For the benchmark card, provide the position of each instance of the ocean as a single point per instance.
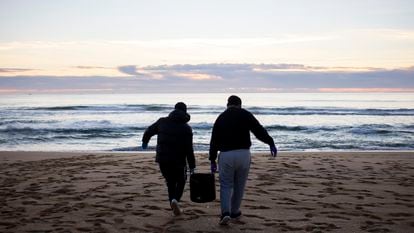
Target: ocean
(296, 121)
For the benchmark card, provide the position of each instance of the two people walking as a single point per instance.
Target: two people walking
(230, 143)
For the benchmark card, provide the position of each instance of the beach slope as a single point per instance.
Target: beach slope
(124, 192)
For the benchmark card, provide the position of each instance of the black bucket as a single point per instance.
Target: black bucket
(202, 187)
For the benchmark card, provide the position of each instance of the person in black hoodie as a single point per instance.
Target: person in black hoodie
(174, 150)
(231, 136)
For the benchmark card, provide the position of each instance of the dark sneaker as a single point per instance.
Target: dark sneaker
(236, 216)
(225, 219)
(175, 207)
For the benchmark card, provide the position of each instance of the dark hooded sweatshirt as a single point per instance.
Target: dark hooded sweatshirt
(231, 131)
(174, 141)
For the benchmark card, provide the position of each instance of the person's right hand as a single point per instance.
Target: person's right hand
(273, 150)
(213, 167)
(144, 146)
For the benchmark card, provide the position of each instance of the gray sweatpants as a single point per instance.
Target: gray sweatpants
(233, 169)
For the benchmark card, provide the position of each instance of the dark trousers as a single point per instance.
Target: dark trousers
(175, 178)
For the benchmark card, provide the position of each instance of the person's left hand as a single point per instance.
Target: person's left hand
(273, 150)
(213, 166)
(191, 171)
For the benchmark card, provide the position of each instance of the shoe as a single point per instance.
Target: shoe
(175, 208)
(224, 219)
(236, 216)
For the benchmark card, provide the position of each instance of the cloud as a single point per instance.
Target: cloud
(198, 72)
(12, 70)
(143, 74)
(197, 76)
(191, 72)
(130, 69)
(217, 77)
(91, 67)
(270, 68)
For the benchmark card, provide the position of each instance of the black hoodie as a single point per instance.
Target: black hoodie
(231, 131)
(174, 141)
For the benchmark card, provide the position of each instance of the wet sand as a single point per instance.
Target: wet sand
(124, 192)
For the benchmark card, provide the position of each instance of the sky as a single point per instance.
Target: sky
(206, 46)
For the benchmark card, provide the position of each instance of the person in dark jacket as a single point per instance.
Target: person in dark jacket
(231, 136)
(174, 150)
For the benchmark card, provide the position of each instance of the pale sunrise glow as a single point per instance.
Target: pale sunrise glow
(194, 76)
(213, 42)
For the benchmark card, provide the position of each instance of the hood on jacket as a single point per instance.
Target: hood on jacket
(179, 116)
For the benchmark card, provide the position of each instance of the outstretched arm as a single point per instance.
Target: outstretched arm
(149, 132)
(260, 132)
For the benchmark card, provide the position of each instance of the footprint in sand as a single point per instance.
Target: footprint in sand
(309, 215)
(400, 214)
(251, 229)
(338, 217)
(151, 207)
(298, 220)
(329, 205)
(289, 201)
(102, 214)
(7, 225)
(84, 229)
(196, 211)
(29, 202)
(141, 213)
(118, 220)
(259, 207)
(373, 227)
(321, 227)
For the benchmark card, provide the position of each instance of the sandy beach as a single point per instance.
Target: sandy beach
(124, 192)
